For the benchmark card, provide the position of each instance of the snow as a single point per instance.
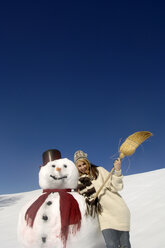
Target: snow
(144, 194)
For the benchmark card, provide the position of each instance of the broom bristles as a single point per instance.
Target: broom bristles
(132, 142)
(128, 148)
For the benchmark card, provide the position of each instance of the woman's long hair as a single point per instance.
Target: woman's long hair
(92, 170)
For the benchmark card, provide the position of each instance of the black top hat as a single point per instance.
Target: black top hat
(50, 155)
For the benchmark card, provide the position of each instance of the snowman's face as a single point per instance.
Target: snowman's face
(58, 174)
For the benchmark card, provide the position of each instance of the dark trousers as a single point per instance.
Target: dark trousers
(116, 239)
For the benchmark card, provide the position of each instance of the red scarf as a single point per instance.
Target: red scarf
(69, 210)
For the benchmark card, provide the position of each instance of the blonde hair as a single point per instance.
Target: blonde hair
(87, 163)
(92, 170)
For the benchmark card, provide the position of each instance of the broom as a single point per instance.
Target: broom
(127, 149)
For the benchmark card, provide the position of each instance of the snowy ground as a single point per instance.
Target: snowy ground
(144, 194)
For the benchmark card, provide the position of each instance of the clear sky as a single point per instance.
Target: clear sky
(79, 75)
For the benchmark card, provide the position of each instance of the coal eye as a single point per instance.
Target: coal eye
(65, 166)
(53, 166)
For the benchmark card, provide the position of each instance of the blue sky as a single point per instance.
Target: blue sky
(79, 75)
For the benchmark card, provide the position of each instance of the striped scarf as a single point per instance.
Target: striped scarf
(86, 188)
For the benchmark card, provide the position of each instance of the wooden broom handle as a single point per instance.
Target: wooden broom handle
(98, 192)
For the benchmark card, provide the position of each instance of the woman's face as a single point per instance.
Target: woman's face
(82, 166)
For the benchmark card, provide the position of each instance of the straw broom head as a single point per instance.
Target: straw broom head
(132, 142)
(126, 149)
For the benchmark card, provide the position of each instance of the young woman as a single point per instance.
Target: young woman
(113, 213)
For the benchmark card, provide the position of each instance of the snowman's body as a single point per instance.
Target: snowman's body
(46, 229)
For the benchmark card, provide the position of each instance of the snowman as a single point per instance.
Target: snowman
(57, 218)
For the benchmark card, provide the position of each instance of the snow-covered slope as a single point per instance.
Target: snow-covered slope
(144, 194)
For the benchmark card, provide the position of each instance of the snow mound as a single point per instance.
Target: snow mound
(144, 194)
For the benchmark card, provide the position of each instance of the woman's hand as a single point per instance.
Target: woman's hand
(117, 164)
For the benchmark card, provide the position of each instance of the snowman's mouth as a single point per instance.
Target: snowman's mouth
(58, 178)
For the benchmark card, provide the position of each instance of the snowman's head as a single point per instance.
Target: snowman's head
(58, 174)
